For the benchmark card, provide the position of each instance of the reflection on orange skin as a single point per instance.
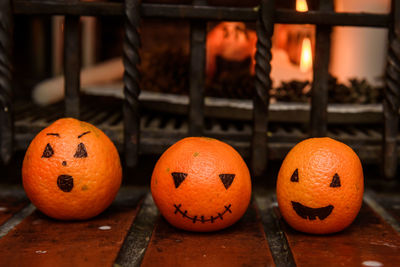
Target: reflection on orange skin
(231, 41)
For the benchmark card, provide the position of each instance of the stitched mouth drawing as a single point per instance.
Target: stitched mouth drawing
(201, 218)
(311, 213)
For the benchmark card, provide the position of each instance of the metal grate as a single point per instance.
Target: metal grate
(160, 129)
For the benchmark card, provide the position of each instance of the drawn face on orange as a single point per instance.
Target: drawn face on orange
(320, 186)
(226, 180)
(201, 185)
(65, 182)
(71, 170)
(309, 213)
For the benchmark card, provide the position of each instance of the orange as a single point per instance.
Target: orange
(201, 184)
(320, 186)
(71, 170)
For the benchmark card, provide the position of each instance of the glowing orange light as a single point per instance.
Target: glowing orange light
(306, 55)
(301, 5)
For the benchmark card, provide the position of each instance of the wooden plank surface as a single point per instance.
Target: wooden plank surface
(369, 240)
(11, 202)
(391, 203)
(243, 244)
(41, 241)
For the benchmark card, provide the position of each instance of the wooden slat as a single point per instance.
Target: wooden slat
(387, 205)
(41, 241)
(11, 202)
(368, 239)
(393, 207)
(243, 244)
(9, 207)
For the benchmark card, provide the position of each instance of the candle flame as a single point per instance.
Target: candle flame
(306, 55)
(301, 5)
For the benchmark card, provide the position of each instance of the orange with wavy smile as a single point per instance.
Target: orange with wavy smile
(311, 213)
(320, 186)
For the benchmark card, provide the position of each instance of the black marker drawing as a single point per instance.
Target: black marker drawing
(202, 219)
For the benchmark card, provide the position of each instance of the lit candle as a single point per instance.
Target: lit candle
(301, 6)
(292, 54)
(306, 55)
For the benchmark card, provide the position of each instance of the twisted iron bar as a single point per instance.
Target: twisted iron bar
(6, 121)
(131, 61)
(263, 84)
(263, 58)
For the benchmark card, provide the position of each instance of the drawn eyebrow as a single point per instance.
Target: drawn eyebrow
(82, 134)
(55, 134)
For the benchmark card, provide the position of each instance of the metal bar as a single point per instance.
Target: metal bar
(138, 237)
(391, 102)
(263, 84)
(277, 241)
(330, 18)
(319, 100)
(200, 12)
(197, 66)
(72, 65)
(6, 118)
(131, 60)
(371, 199)
(16, 219)
(48, 7)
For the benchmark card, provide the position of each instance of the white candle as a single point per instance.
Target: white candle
(359, 52)
(282, 70)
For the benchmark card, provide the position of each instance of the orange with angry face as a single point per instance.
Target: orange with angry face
(320, 186)
(71, 170)
(201, 184)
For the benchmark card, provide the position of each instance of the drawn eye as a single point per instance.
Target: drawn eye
(227, 179)
(178, 177)
(48, 151)
(81, 151)
(335, 181)
(295, 176)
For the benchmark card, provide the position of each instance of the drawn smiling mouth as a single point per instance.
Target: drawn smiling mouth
(311, 213)
(201, 218)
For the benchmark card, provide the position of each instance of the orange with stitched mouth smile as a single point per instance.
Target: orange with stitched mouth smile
(201, 184)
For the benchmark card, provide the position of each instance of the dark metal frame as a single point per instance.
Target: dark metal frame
(199, 13)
